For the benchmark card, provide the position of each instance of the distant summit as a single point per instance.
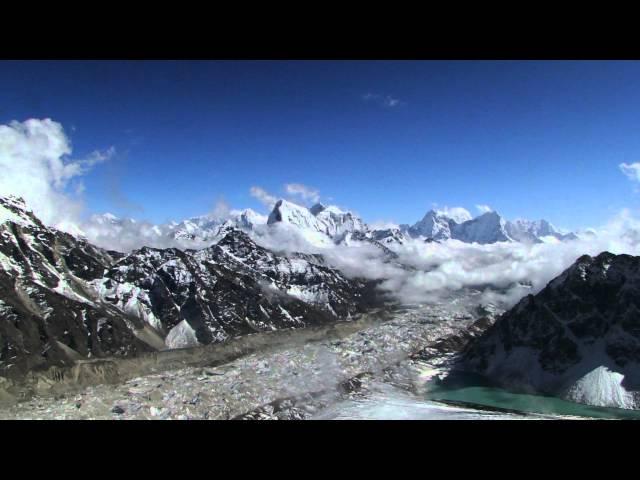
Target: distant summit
(487, 228)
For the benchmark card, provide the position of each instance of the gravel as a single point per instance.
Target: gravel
(292, 381)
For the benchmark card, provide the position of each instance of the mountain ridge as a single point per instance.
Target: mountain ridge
(64, 299)
(576, 338)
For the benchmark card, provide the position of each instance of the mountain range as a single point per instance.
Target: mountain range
(323, 226)
(64, 299)
(487, 228)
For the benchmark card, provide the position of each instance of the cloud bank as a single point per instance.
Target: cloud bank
(500, 273)
(35, 165)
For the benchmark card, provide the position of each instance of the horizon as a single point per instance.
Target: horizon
(387, 140)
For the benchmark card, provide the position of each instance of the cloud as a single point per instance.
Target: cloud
(631, 170)
(500, 273)
(382, 225)
(221, 210)
(35, 164)
(296, 193)
(484, 208)
(263, 196)
(386, 101)
(459, 214)
(302, 191)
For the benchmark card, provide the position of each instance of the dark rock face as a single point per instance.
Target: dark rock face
(389, 236)
(457, 342)
(48, 315)
(586, 316)
(63, 299)
(232, 288)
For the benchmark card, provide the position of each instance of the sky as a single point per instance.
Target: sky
(162, 140)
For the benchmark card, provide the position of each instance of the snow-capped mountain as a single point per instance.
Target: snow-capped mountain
(63, 299)
(441, 225)
(296, 215)
(207, 227)
(579, 338)
(435, 225)
(534, 231)
(338, 222)
(319, 224)
(487, 228)
(391, 237)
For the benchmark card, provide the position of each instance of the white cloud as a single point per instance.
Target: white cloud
(302, 191)
(263, 196)
(382, 225)
(221, 210)
(631, 170)
(35, 164)
(459, 214)
(484, 208)
(497, 273)
(387, 101)
(297, 193)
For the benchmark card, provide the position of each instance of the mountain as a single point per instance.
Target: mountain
(63, 299)
(435, 225)
(357, 239)
(579, 338)
(487, 228)
(338, 222)
(439, 225)
(319, 225)
(534, 231)
(391, 237)
(207, 227)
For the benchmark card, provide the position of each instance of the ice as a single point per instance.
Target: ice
(182, 336)
(601, 387)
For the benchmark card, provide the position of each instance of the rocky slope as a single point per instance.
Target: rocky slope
(579, 338)
(63, 299)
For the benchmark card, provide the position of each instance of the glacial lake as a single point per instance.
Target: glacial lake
(496, 399)
(467, 401)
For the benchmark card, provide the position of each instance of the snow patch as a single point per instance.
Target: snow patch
(182, 336)
(601, 387)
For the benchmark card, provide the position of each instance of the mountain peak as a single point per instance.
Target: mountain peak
(486, 228)
(14, 209)
(491, 215)
(289, 212)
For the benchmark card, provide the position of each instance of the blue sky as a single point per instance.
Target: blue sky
(386, 139)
